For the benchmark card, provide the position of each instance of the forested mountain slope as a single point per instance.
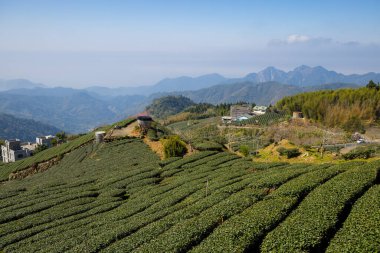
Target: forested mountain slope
(23, 129)
(335, 107)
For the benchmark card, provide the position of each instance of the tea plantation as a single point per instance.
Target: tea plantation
(119, 197)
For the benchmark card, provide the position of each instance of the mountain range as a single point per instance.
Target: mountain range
(78, 110)
(305, 76)
(260, 93)
(302, 76)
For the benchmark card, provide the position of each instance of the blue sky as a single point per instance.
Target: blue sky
(127, 43)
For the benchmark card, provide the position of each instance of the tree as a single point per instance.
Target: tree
(354, 124)
(61, 136)
(40, 148)
(371, 85)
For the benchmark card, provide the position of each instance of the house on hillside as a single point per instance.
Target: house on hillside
(29, 145)
(259, 109)
(144, 122)
(13, 151)
(45, 140)
(226, 119)
(238, 111)
(297, 115)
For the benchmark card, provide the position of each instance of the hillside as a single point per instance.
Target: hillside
(260, 93)
(336, 108)
(71, 110)
(169, 105)
(118, 197)
(76, 110)
(23, 129)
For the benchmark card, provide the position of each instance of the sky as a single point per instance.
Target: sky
(80, 43)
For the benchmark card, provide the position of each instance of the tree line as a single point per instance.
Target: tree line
(342, 107)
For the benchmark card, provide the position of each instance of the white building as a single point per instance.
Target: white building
(45, 140)
(259, 109)
(12, 151)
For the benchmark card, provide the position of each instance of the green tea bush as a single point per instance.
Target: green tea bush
(208, 145)
(362, 152)
(174, 146)
(360, 231)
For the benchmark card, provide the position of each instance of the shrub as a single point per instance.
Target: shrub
(173, 146)
(40, 148)
(208, 145)
(244, 150)
(354, 124)
(364, 153)
(290, 153)
(152, 135)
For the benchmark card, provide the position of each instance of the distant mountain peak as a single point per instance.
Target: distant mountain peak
(302, 68)
(270, 68)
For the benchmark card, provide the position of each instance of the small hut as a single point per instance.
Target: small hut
(297, 115)
(144, 122)
(99, 136)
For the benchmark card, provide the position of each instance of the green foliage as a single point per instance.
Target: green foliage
(152, 135)
(23, 129)
(208, 145)
(157, 131)
(372, 85)
(44, 155)
(335, 107)
(170, 105)
(119, 197)
(62, 137)
(289, 152)
(361, 152)
(212, 110)
(243, 230)
(173, 146)
(354, 124)
(39, 148)
(360, 231)
(244, 150)
(306, 228)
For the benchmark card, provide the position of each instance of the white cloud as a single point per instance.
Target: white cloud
(299, 40)
(296, 38)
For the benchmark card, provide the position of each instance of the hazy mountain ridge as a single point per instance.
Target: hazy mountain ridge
(309, 76)
(78, 110)
(18, 84)
(69, 109)
(259, 93)
(24, 129)
(302, 76)
(166, 85)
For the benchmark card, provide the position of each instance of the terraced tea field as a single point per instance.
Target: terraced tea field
(119, 197)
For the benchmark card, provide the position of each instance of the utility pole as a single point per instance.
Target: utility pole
(207, 188)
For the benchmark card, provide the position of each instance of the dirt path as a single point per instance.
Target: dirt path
(130, 130)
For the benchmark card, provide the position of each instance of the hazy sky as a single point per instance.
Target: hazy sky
(127, 43)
